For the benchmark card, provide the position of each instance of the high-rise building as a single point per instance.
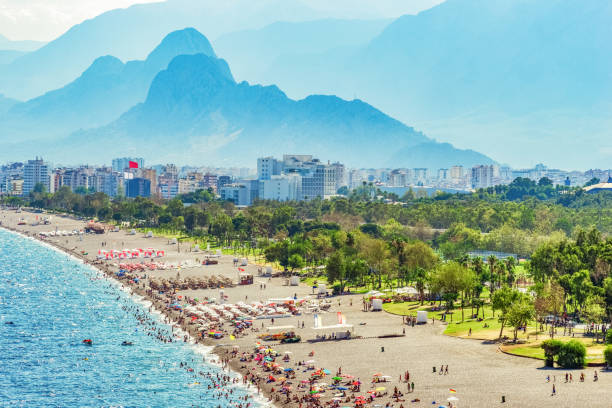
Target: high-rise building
(317, 179)
(35, 172)
(268, 167)
(483, 176)
(223, 181)
(106, 181)
(340, 174)
(420, 176)
(443, 174)
(209, 181)
(149, 174)
(137, 187)
(241, 193)
(457, 175)
(281, 188)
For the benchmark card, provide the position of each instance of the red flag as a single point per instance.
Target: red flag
(133, 164)
(241, 270)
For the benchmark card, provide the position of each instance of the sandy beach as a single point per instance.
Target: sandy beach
(380, 344)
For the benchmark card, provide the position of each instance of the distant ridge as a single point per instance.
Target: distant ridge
(102, 93)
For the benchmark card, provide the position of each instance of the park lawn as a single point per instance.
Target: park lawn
(454, 325)
(533, 349)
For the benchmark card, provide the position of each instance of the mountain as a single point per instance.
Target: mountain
(24, 46)
(253, 53)
(520, 79)
(102, 93)
(196, 111)
(6, 104)
(130, 33)
(8, 56)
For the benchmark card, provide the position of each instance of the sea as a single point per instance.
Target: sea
(50, 302)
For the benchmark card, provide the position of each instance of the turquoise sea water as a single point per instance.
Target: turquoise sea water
(54, 302)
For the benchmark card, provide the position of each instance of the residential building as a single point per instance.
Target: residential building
(456, 174)
(420, 176)
(281, 188)
(340, 175)
(149, 174)
(223, 181)
(209, 181)
(268, 167)
(106, 181)
(138, 187)
(443, 175)
(483, 176)
(35, 172)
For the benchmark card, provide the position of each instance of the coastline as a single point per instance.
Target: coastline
(382, 343)
(206, 348)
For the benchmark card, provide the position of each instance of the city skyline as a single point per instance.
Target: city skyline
(290, 178)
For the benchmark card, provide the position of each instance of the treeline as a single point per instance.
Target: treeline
(361, 241)
(455, 224)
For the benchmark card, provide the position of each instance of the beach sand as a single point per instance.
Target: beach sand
(479, 372)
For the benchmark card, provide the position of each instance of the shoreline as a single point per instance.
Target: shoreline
(382, 343)
(206, 348)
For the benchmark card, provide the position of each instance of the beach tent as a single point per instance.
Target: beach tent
(377, 304)
(294, 281)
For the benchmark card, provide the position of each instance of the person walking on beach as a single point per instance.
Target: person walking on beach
(554, 391)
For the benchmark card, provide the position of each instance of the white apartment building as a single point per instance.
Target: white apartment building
(34, 172)
(281, 188)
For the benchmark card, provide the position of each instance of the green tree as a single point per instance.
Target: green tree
(296, 262)
(502, 300)
(608, 355)
(551, 350)
(519, 314)
(572, 355)
(336, 269)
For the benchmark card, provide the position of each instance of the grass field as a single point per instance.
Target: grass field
(533, 350)
(485, 329)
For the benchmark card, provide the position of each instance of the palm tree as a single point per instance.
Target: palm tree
(510, 265)
(501, 272)
(492, 261)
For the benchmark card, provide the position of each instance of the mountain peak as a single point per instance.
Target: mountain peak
(187, 41)
(104, 66)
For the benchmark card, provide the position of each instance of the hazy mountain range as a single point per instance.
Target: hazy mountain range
(131, 33)
(101, 94)
(24, 46)
(521, 80)
(11, 50)
(195, 110)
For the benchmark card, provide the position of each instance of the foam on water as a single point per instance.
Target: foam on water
(56, 301)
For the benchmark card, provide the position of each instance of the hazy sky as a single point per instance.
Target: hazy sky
(45, 20)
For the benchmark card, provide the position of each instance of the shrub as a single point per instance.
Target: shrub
(608, 355)
(551, 349)
(609, 336)
(572, 355)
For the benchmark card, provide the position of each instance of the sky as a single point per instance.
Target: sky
(44, 20)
